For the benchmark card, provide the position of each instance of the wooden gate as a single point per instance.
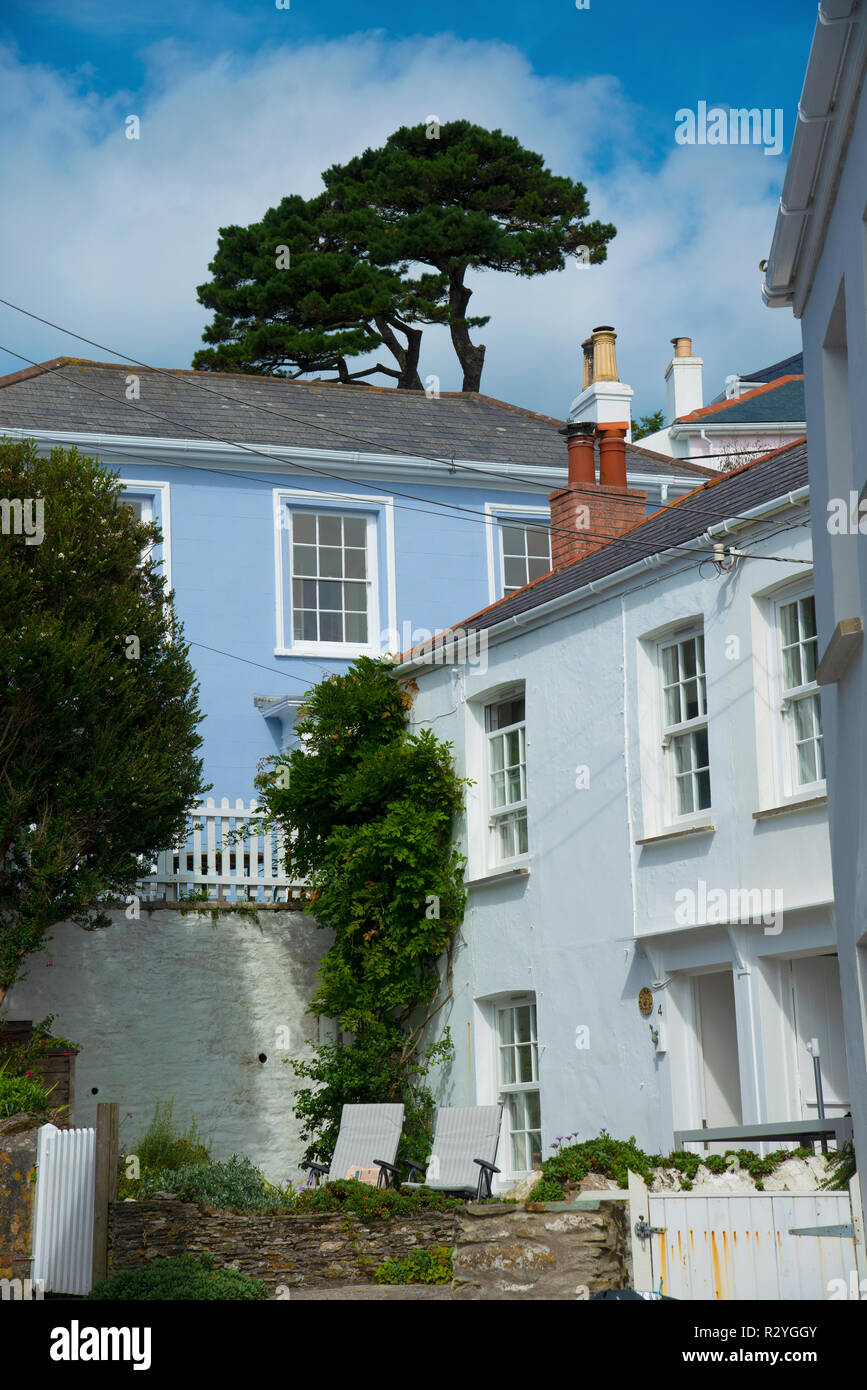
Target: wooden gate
(780, 1245)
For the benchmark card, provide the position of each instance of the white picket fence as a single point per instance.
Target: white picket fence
(63, 1214)
(212, 859)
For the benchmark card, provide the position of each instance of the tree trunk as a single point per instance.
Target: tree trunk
(407, 357)
(471, 358)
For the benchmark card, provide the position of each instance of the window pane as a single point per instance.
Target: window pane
(690, 699)
(330, 595)
(514, 785)
(330, 562)
(355, 531)
(534, 1110)
(355, 562)
(497, 750)
(669, 664)
(513, 540)
(329, 530)
(355, 597)
(522, 1024)
(703, 790)
(331, 627)
(498, 790)
(513, 749)
(356, 627)
(304, 559)
(304, 625)
(700, 758)
(672, 705)
(682, 753)
(684, 796)
(304, 527)
(808, 617)
(507, 1066)
(504, 1023)
(537, 567)
(304, 593)
(514, 572)
(791, 667)
(789, 623)
(521, 833)
(539, 544)
(134, 505)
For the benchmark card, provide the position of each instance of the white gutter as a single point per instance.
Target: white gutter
(821, 123)
(779, 504)
(219, 453)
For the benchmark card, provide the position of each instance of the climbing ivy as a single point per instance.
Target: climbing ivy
(368, 810)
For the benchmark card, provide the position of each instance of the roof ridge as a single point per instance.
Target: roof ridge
(737, 400)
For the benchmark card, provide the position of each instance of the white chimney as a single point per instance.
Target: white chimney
(604, 400)
(683, 381)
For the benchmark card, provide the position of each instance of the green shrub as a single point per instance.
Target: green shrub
(369, 1203)
(236, 1185)
(841, 1168)
(432, 1266)
(22, 1094)
(164, 1145)
(180, 1278)
(613, 1158)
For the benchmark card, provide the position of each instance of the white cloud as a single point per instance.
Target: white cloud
(110, 236)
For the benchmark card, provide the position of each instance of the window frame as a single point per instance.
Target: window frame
(378, 512)
(158, 494)
(497, 815)
(524, 1089)
(683, 728)
(498, 514)
(786, 698)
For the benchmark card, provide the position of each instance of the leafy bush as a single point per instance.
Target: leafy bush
(369, 1203)
(432, 1266)
(236, 1185)
(613, 1158)
(22, 1094)
(841, 1168)
(180, 1278)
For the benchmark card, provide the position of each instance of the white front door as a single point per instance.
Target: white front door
(719, 1075)
(818, 1011)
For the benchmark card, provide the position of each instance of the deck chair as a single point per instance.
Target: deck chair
(464, 1149)
(365, 1131)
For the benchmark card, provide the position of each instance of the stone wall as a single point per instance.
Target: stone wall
(500, 1251)
(198, 1003)
(564, 1252)
(323, 1248)
(17, 1175)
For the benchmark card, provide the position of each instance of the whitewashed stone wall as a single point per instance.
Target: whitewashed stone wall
(181, 1005)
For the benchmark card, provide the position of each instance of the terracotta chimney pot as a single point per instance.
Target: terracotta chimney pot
(682, 347)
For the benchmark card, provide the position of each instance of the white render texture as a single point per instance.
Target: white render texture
(178, 1006)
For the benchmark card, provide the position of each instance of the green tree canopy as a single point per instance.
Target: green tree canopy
(295, 293)
(387, 247)
(459, 197)
(98, 741)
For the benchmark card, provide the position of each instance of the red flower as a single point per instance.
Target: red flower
(28, 1073)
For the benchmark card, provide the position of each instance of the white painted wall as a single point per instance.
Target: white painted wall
(179, 1006)
(834, 328)
(594, 919)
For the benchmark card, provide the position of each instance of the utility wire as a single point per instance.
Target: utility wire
(471, 513)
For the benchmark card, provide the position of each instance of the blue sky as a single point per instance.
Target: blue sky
(243, 103)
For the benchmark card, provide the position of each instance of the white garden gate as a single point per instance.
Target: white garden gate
(777, 1245)
(63, 1213)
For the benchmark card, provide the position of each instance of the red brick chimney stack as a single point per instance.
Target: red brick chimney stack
(586, 514)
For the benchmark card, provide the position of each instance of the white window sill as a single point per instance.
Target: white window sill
(788, 808)
(508, 874)
(346, 650)
(677, 832)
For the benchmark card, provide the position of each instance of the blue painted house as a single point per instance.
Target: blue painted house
(305, 523)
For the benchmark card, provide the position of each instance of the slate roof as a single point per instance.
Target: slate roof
(790, 366)
(775, 402)
(71, 395)
(721, 498)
